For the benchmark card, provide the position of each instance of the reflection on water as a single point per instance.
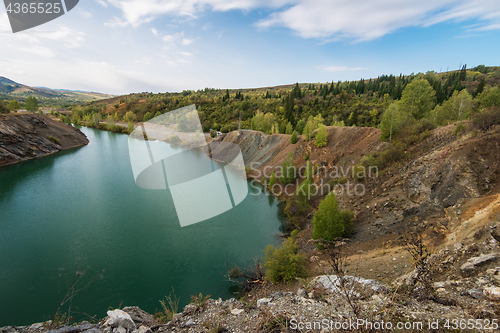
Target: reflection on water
(83, 206)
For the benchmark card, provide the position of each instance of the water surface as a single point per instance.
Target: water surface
(82, 206)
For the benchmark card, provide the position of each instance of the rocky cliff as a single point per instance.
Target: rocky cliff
(24, 137)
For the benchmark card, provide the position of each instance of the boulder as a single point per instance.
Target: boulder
(472, 263)
(139, 316)
(119, 318)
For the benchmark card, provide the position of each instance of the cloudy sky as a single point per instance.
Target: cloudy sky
(123, 46)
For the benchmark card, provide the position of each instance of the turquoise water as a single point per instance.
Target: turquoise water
(82, 207)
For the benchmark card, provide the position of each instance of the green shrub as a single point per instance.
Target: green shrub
(173, 139)
(284, 263)
(288, 170)
(486, 118)
(294, 234)
(294, 138)
(3, 108)
(170, 306)
(330, 221)
(272, 180)
(200, 300)
(459, 129)
(321, 136)
(54, 140)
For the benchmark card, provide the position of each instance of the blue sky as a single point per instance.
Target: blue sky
(124, 46)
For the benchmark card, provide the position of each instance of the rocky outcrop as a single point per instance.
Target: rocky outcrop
(24, 137)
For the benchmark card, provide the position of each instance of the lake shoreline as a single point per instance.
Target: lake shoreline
(29, 136)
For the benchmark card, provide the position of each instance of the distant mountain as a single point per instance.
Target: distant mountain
(13, 90)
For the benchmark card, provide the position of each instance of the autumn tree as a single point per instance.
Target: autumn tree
(457, 107)
(13, 105)
(392, 121)
(418, 99)
(321, 136)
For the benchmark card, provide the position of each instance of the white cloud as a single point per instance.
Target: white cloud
(341, 69)
(338, 19)
(83, 13)
(370, 19)
(4, 23)
(39, 50)
(33, 37)
(153, 30)
(137, 12)
(168, 38)
(186, 41)
(102, 3)
(187, 54)
(115, 22)
(174, 38)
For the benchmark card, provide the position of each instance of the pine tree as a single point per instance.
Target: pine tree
(288, 170)
(480, 87)
(272, 180)
(300, 126)
(330, 221)
(463, 73)
(31, 104)
(3, 108)
(294, 138)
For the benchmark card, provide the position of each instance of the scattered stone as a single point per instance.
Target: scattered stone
(471, 264)
(190, 322)
(476, 293)
(236, 311)
(495, 232)
(74, 329)
(144, 329)
(93, 330)
(301, 292)
(263, 301)
(332, 283)
(492, 292)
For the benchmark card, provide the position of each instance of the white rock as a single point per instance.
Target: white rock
(493, 292)
(236, 311)
(120, 329)
(301, 292)
(471, 264)
(441, 291)
(332, 282)
(263, 301)
(190, 322)
(144, 329)
(119, 318)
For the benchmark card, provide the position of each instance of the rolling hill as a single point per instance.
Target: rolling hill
(10, 89)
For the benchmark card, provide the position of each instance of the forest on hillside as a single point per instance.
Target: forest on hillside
(432, 95)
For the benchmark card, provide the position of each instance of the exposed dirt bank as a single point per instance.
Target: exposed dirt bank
(28, 136)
